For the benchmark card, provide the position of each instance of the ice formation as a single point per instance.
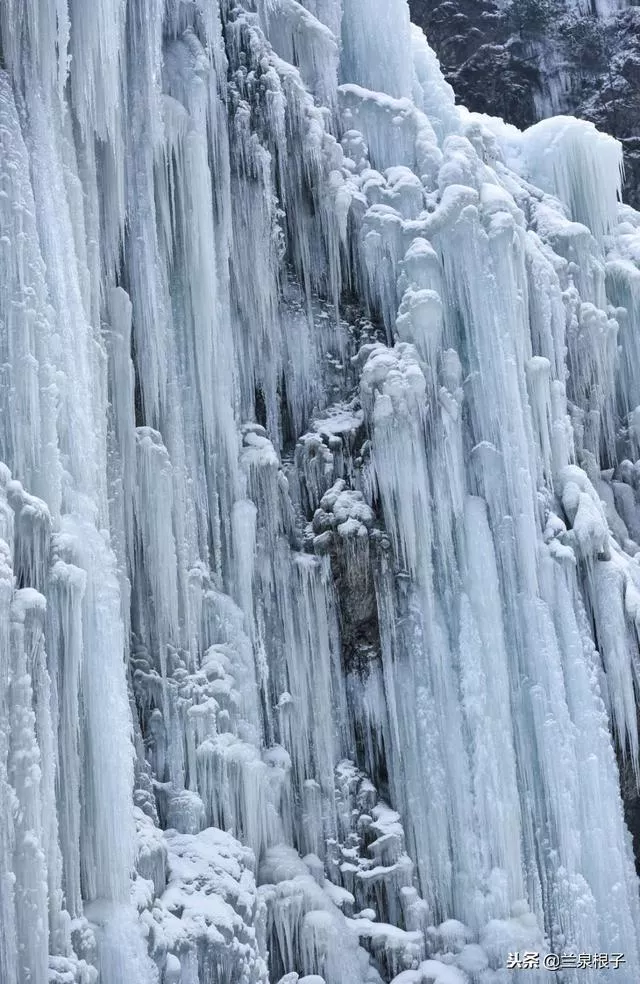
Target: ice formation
(319, 511)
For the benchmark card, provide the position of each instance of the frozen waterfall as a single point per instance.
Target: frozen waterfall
(319, 509)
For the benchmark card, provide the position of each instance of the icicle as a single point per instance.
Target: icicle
(64, 646)
(360, 62)
(8, 803)
(303, 40)
(573, 160)
(107, 826)
(25, 774)
(256, 550)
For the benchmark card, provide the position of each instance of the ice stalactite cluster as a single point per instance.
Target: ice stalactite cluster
(319, 511)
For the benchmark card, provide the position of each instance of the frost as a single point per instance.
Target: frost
(319, 511)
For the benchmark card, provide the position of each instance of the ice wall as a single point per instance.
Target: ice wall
(319, 511)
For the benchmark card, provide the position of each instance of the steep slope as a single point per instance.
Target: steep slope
(319, 511)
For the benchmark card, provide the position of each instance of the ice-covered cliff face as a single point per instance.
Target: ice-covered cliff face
(319, 514)
(525, 60)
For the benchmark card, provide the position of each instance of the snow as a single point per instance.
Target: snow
(431, 972)
(319, 510)
(212, 909)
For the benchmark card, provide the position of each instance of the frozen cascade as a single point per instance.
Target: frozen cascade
(319, 508)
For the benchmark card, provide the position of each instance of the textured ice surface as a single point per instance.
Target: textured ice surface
(320, 511)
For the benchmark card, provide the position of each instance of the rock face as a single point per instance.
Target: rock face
(319, 508)
(527, 59)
